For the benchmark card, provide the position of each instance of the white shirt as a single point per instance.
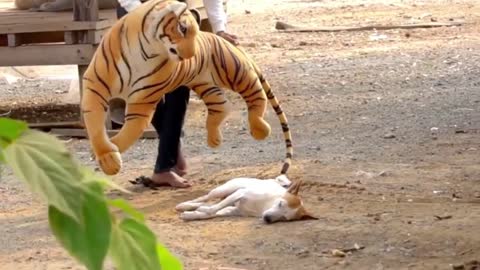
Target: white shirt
(215, 12)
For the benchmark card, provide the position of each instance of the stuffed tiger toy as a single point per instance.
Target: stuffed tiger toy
(150, 52)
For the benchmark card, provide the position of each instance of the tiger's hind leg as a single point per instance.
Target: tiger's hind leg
(218, 109)
(251, 90)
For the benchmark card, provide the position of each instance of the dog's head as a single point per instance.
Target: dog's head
(283, 180)
(288, 208)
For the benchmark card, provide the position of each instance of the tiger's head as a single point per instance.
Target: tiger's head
(174, 26)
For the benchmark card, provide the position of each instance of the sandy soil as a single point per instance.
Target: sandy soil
(386, 137)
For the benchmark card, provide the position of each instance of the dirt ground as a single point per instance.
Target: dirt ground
(386, 132)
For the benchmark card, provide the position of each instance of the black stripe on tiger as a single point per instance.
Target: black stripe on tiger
(236, 62)
(101, 80)
(145, 55)
(115, 64)
(132, 116)
(288, 143)
(105, 56)
(209, 91)
(142, 103)
(124, 58)
(199, 85)
(144, 20)
(99, 95)
(247, 88)
(212, 111)
(219, 64)
(157, 27)
(269, 94)
(285, 127)
(277, 110)
(160, 88)
(88, 79)
(224, 64)
(127, 40)
(285, 168)
(155, 70)
(215, 103)
(147, 87)
(255, 92)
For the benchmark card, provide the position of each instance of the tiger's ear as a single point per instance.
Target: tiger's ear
(178, 8)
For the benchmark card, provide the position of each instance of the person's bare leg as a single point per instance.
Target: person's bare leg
(181, 166)
(170, 178)
(168, 121)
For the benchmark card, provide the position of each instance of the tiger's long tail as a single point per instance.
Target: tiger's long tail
(281, 117)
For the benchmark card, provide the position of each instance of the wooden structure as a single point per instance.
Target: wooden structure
(29, 38)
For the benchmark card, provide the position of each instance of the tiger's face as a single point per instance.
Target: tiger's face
(176, 28)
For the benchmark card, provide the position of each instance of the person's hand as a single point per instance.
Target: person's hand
(229, 37)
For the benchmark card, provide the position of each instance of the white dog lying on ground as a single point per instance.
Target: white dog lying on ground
(250, 197)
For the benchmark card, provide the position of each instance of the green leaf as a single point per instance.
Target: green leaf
(88, 242)
(2, 156)
(105, 182)
(10, 130)
(133, 246)
(43, 162)
(167, 260)
(127, 208)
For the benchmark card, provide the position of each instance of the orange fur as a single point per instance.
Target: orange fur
(150, 52)
(295, 202)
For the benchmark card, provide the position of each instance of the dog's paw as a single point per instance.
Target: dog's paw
(186, 206)
(206, 209)
(193, 215)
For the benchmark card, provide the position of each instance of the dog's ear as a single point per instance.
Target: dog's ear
(295, 187)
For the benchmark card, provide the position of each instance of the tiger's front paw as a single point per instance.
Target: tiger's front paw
(110, 162)
(259, 128)
(214, 138)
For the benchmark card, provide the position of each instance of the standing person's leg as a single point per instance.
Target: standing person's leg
(168, 120)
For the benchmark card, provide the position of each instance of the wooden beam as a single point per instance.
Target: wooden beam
(29, 38)
(51, 54)
(55, 26)
(287, 28)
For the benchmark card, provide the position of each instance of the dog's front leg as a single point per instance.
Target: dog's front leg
(228, 201)
(228, 211)
(197, 215)
(192, 205)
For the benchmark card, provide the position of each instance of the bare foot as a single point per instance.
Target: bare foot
(169, 178)
(181, 166)
(229, 37)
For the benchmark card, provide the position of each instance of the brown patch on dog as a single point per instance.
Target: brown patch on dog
(294, 201)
